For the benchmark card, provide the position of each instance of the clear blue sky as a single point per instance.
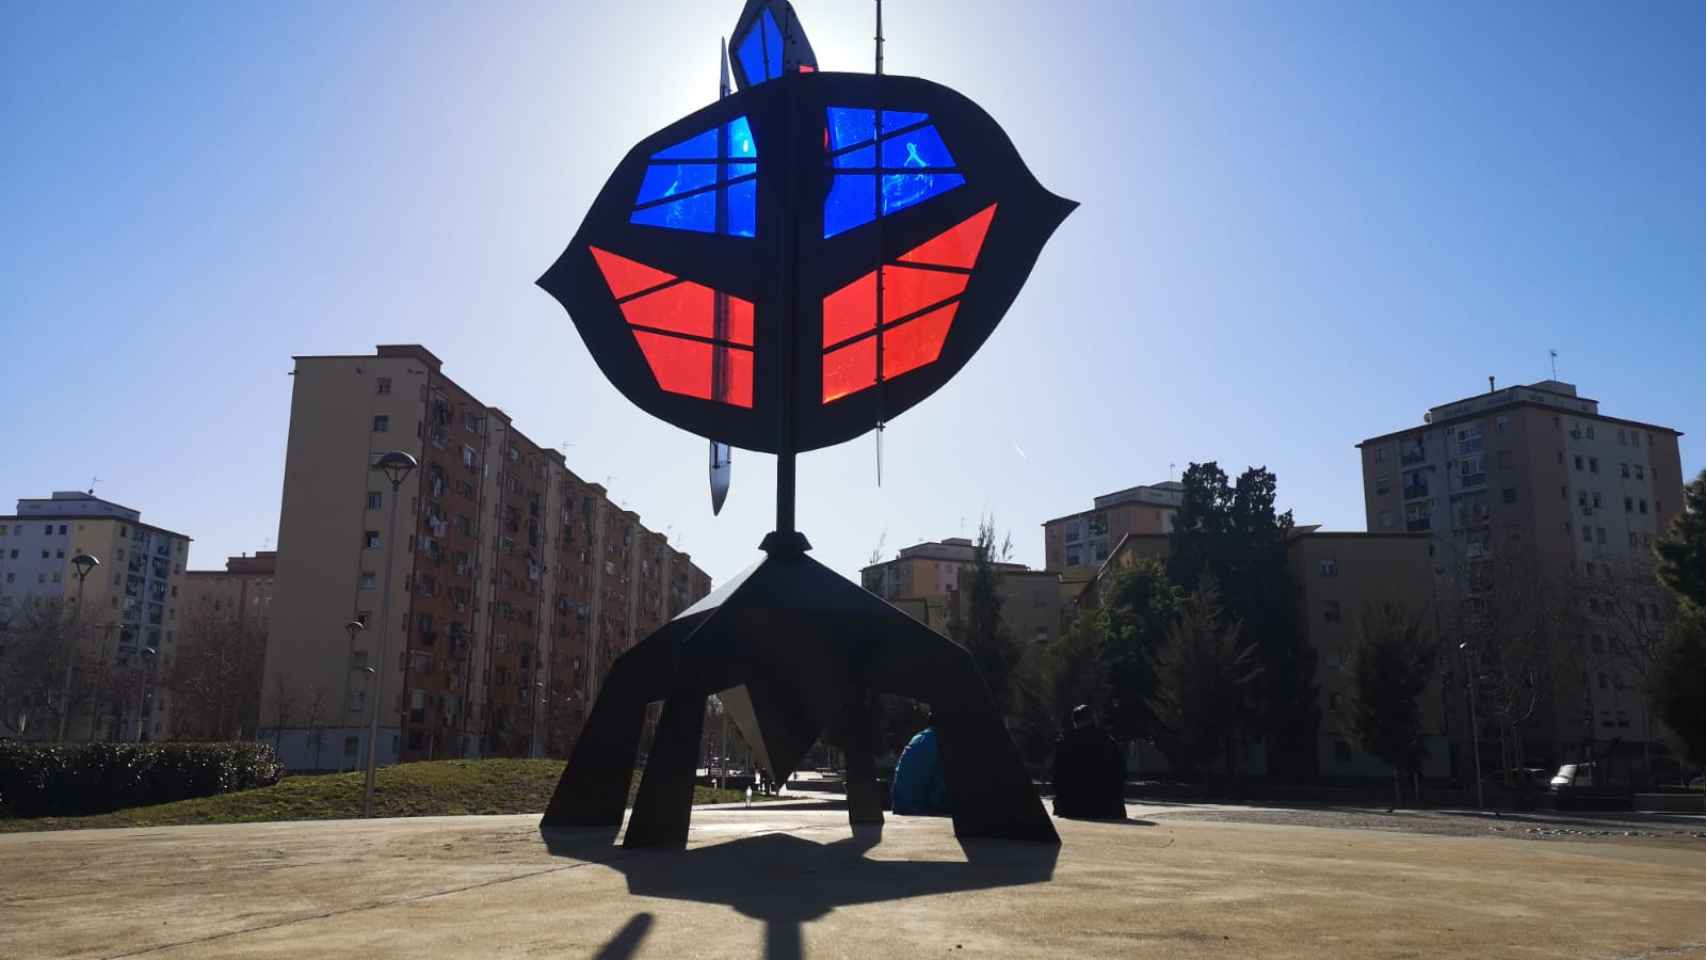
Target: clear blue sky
(1302, 224)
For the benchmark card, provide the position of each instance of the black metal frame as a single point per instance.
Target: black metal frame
(787, 120)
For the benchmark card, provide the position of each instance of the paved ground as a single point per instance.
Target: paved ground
(788, 881)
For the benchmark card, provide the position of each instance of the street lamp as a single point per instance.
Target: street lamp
(83, 563)
(1469, 678)
(396, 466)
(142, 687)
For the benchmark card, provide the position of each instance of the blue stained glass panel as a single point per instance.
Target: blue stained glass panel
(849, 127)
(698, 147)
(902, 190)
(667, 180)
(772, 46)
(752, 58)
(743, 209)
(697, 213)
(922, 147)
(865, 157)
(741, 170)
(740, 139)
(895, 119)
(851, 202)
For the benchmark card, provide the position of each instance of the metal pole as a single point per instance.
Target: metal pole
(71, 658)
(880, 40)
(379, 668)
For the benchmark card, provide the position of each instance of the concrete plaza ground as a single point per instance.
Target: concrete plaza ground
(791, 880)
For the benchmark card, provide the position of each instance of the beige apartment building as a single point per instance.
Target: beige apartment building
(928, 573)
(128, 606)
(1340, 576)
(243, 590)
(1076, 545)
(1533, 498)
(513, 582)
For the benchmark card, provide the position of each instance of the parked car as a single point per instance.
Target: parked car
(1574, 775)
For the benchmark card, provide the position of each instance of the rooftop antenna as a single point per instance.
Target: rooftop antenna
(1554, 354)
(879, 38)
(1172, 472)
(92, 482)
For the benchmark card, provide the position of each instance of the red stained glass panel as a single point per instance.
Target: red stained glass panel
(849, 369)
(917, 342)
(850, 311)
(682, 308)
(958, 246)
(740, 322)
(625, 276)
(681, 366)
(737, 371)
(908, 289)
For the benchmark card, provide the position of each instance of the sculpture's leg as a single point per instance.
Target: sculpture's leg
(864, 800)
(989, 789)
(665, 801)
(594, 787)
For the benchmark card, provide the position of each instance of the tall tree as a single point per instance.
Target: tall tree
(1682, 549)
(215, 676)
(1391, 663)
(983, 631)
(1678, 686)
(1233, 533)
(1139, 610)
(1204, 677)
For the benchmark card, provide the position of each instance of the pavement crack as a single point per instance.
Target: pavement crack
(339, 913)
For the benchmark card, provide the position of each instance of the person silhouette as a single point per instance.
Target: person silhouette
(1089, 771)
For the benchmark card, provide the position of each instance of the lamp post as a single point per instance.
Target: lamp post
(142, 687)
(83, 563)
(1469, 677)
(396, 466)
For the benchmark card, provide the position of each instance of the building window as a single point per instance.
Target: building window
(1387, 520)
(1578, 461)
(1640, 472)
(1332, 612)
(1601, 531)
(351, 745)
(1597, 502)
(1590, 431)
(1643, 506)
(1380, 454)
(381, 424)
(1510, 494)
(368, 580)
(1593, 464)
(1502, 424)
(384, 384)
(370, 540)
(1587, 533)
(1329, 568)
(1625, 467)
(374, 499)
(1628, 504)
(1382, 485)
(1622, 437)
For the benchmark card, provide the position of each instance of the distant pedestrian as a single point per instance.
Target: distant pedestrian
(1089, 771)
(920, 788)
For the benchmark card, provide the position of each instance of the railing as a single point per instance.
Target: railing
(1417, 524)
(1473, 479)
(1416, 492)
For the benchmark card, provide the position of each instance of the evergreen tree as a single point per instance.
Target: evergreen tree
(1140, 609)
(1232, 533)
(1682, 549)
(1204, 676)
(1391, 664)
(983, 631)
(1678, 686)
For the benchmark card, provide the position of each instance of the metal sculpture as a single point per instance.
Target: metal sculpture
(784, 270)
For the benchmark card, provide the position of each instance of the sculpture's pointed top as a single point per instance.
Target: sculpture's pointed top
(768, 41)
(723, 88)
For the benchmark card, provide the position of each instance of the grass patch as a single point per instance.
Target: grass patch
(432, 789)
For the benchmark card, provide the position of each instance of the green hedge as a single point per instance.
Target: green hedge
(44, 779)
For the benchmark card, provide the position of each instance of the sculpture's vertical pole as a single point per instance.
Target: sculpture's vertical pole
(789, 253)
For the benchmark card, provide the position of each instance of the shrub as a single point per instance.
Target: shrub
(44, 779)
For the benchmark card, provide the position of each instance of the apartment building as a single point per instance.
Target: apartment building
(513, 583)
(928, 573)
(1532, 494)
(243, 590)
(1340, 576)
(129, 604)
(1077, 544)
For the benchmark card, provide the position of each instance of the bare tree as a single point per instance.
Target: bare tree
(215, 676)
(314, 714)
(34, 650)
(1626, 613)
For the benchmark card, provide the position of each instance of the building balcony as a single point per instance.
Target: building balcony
(1473, 480)
(1418, 492)
(1419, 524)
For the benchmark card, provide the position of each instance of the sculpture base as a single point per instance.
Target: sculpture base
(791, 647)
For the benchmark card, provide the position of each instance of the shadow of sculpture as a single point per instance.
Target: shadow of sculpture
(627, 940)
(788, 881)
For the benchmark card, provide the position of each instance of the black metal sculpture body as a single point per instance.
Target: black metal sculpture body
(785, 270)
